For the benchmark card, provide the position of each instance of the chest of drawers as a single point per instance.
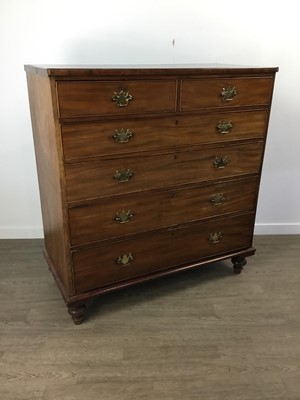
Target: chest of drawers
(146, 171)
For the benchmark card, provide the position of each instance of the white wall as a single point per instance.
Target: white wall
(262, 33)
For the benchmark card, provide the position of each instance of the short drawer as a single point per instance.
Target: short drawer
(82, 140)
(198, 94)
(95, 179)
(91, 98)
(127, 259)
(130, 214)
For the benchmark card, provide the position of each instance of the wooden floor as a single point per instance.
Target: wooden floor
(205, 334)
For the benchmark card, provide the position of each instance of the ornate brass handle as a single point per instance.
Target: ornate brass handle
(123, 135)
(123, 216)
(215, 237)
(217, 199)
(122, 98)
(220, 162)
(229, 92)
(123, 175)
(125, 259)
(224, 127)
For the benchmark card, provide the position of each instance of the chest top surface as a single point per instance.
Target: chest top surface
(145, 69)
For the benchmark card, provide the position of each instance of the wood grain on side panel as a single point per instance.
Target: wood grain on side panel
(49, 166)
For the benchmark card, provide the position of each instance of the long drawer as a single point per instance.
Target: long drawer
(130, 214)
(91, 98)
(83, 140)
(127, 259)
(199, 94)
(126, 175)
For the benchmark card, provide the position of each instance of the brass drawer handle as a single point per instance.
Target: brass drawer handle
(122, 98)
(122, 135)
(123, 216)
(224, 127)
(125, 259)
(229, 93)
(220, 162)
(215, 237)
(123, 175)
(217, 199)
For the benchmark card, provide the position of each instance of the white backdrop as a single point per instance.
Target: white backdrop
(261, 33)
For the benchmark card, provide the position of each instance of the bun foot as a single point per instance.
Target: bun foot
(238, 263)
(77, 313)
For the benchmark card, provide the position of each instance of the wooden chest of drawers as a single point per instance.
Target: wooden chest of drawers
(146, 171)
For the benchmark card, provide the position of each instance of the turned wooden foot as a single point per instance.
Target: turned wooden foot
(77, 313)
(238, 263)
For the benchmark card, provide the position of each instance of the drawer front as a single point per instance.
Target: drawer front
(90, 98)
(197, 94)
(129, 136)
(127, 259)
(108, 177)
(128, 214)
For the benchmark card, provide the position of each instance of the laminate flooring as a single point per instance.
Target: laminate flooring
(203, 334)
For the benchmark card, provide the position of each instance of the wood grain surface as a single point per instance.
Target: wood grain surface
(96, 221)
(95, 179)
(82, 98)
(202, 334)
(82, 140)
(197, 94)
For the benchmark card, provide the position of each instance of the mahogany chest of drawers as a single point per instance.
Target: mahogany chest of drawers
(146, 171)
